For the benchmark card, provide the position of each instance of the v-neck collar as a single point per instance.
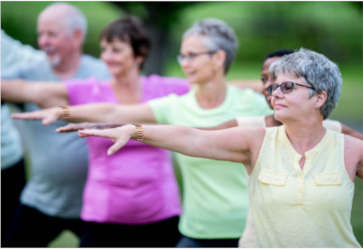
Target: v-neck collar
(308, 154)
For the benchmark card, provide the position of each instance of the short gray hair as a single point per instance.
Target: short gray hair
(219, 36)
(74, 18)
(317, 70)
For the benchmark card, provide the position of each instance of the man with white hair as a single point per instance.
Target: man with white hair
(51, 200)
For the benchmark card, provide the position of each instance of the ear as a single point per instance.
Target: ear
(321, 98)
(139, 60)
(219, 58)
(78, 36)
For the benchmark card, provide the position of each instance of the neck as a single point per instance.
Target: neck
(68, 67)
(211, 94)
(305, 133)
(127, 82)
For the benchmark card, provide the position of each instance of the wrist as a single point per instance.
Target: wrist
(137, 132)
(64, 113)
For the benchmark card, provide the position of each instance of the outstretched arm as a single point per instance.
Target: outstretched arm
(103, 112)
(44, 94)
(349, 131)
(235, 144)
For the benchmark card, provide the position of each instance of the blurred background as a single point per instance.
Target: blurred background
(332, 28)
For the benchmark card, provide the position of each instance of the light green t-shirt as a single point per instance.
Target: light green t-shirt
(215, 199)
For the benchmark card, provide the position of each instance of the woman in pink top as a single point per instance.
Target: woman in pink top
(130, 199)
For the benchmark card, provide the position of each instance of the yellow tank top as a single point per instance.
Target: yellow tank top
(294, 207)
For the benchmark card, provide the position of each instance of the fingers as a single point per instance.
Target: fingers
(95, 132)
(27, 116)
(115, 147)
(48, 120)
(70, 128)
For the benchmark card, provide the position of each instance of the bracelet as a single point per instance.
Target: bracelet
(66, 113)
(139, 132)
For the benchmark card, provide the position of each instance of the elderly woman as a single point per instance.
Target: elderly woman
(215, 199)
(130, 199)
(302, 175)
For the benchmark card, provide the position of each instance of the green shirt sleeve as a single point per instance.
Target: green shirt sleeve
(162, 107)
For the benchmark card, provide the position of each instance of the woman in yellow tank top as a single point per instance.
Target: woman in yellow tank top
(302, 175)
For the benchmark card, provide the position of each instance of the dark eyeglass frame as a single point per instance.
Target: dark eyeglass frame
(286, 87)
(192, 56)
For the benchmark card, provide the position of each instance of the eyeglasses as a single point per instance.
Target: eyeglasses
(191, 56)
(286, 87)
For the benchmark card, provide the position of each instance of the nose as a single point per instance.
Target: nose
(105, 55)
(277, 93)
(43, 41)
(184, 63)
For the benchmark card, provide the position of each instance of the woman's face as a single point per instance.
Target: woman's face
(118, 56)
(294, 105)
(196, 60)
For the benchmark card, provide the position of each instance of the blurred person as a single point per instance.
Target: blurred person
(14, 56)
(301, 183)
(215, 199)
(123, 206)
(52, 197)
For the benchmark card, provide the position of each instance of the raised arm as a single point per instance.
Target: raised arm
(44, 95)
(234, 144)
(349, 131)
(101, 112)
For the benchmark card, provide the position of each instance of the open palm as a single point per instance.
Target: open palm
(47, 116)
(119, 135)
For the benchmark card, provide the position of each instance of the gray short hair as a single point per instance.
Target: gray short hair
(219, 36)
(74, 18)
(317, 70)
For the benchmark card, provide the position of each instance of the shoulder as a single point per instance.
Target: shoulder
(92, 61)
(84, 83)
(167, 81)
(94, 66)
(162, 86)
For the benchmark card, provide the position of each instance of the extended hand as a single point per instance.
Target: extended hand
(48, 116)
(87, 125)
(119, 135)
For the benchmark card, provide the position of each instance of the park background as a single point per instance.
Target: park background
(332, 28)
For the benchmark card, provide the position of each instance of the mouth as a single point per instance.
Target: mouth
(278, 106)
(190, 73)
(49, 51)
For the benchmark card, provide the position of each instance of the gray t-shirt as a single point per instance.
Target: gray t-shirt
(58, 161)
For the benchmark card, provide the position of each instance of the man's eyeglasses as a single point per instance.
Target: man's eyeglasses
(286, 87)
(191, 56)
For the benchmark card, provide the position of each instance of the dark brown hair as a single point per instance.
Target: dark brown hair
(132, 31)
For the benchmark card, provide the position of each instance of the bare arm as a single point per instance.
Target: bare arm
(234, 144)
(43, 94)
(102, 112)
(349, 131)
(227, 124)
